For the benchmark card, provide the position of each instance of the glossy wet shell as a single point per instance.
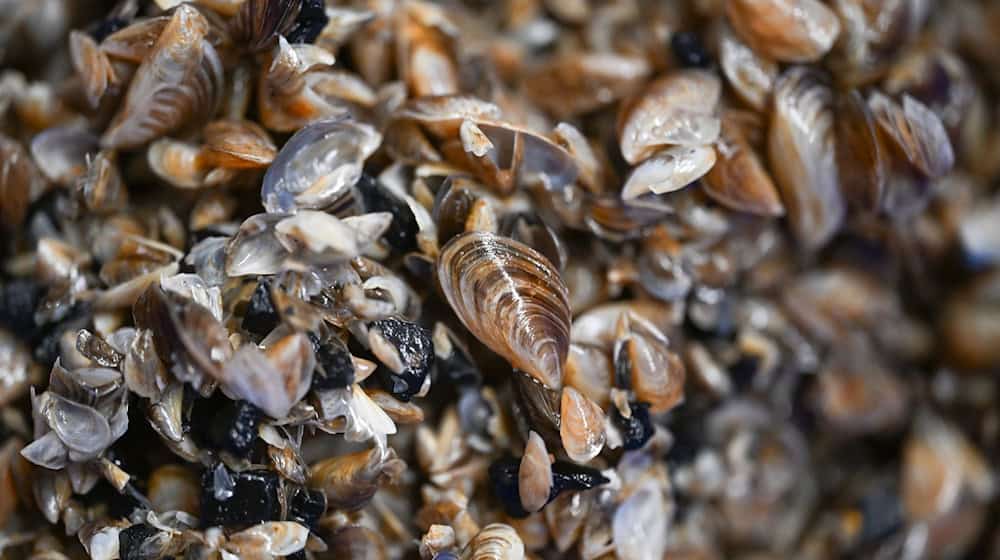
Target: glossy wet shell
(512, 298)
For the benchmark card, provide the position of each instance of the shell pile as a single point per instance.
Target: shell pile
(496, 280)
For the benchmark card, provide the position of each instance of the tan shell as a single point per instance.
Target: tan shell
(739, 179)
(285, 100)
(802, 155)
(17, 177)
(669, 170)
(581, 426)
(678, 109)
(134, 42)
(92, 65)
(495, 541)
(180, 79)
(511, 298)
(861, 158)
(425, 50)
(349, 481)
(785, 30)
(589, 370)
(576, 83)
(179, 163)
(642, 354)
(534, 477)
(238, 144)
(751, 75)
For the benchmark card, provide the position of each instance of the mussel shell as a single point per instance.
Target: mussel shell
(739, 179)
(802, 153)
(180, 79)
(349, 481)
(679, 109)
(319, 164)
(785, 30)
(860, 155)
(512, 298)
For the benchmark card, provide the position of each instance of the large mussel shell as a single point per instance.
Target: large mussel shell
(512, 298)
(803, 158)
(785, 30)
(180, 79)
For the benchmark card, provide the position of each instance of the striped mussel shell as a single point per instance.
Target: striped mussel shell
(511, 298)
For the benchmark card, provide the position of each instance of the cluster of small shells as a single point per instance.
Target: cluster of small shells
(634, 279)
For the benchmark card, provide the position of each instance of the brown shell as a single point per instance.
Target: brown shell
(802, 154)
(785, 30)
(349, 481)
(135, 42)
(739, 179)
(180, 80)
(238, 144)
(258, 23)
(860, 155)
(511, 298)
(17, 175)
(91, 65)
(751, 75)
(643, 356)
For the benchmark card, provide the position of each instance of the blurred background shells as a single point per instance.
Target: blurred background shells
(463, 279)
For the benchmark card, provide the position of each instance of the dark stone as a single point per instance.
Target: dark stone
(106, 27)
(130, 543)
(742, 372)
(255, 499)
(565, 477)
(402, 233)
(689, 50)
(416, 351)
(334, 366)
(311, 21)
(306, 506)
(570, 476)
(881, 515)
(233, 428)
(458, 369)
(18, 299)
(261, 316)
(637, 429)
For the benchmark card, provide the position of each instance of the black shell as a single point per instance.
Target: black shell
(416, 351)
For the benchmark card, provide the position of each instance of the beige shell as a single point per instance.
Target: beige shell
(739, 179)
(802, 155)
(751, 75)
(534, 477)
(589, 370)
(575, 83)
(511, 298)
(238, 144)
(669, 170)
(642, 355)
(785, 30)
(495, 541)
(678, 109)
(179, 80)
(581, 426)
(179, 163)
(92, 65)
